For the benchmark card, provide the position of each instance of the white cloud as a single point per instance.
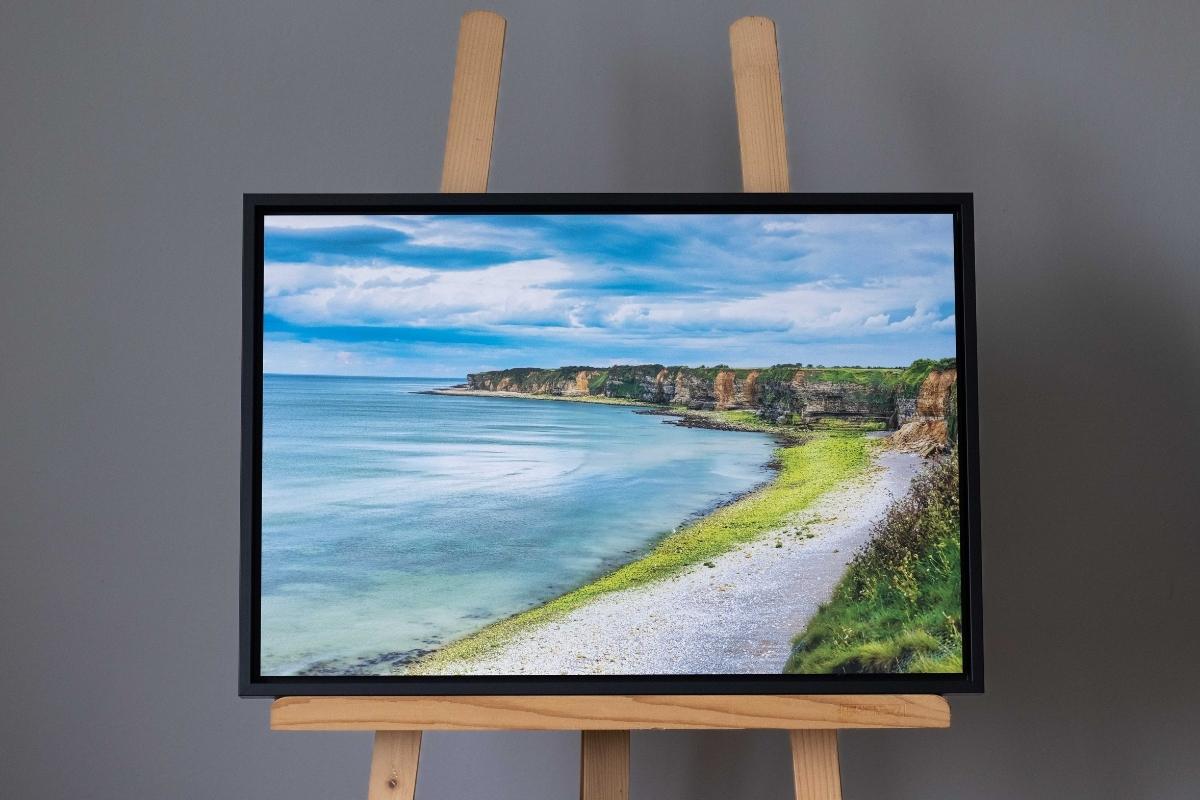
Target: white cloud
(397, 295)
(842, 224)
(463, 232)
(309, 222)
(678, 289)
(818, 307)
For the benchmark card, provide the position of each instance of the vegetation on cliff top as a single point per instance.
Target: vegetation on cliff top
(916, 373)
(881, 377)
(626, 380)
(899, 606)
(806, 471)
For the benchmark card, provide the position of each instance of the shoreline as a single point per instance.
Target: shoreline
(809, 465)
(462, 391)
(736, 614)
(740, 419)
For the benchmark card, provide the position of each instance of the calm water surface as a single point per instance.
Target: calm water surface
(394, 522)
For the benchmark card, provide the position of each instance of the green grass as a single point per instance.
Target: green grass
(628, 380)
(911, 378)
(806, 471)
(746, 421)
(844, 424)
(899, 607)
(709, 373)
(878, 377)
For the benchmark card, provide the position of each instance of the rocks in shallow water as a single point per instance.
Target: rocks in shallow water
(366, 666)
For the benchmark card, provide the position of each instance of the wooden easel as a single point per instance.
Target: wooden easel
(605, 721)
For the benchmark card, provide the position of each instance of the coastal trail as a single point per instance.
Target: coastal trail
(736, 614)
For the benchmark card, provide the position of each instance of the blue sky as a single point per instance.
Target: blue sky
(444, 295)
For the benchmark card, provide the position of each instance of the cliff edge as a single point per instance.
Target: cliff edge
(919, 402)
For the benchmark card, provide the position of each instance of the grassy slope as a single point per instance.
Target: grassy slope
(899, 607)
(911, 378)
(806, 471)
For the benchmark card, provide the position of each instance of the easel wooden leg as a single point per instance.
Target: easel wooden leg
(473, 100)
(465, 168)
(815, 765)
(604, 765)
(394, 765)
(759, 97)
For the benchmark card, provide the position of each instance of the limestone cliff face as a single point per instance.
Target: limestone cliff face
(815, 397)
(935, 397)
(748, 391)
(723, 389)
(694, 390)
(931, 421)
(919, 400)
(581, 382)
(811, 395)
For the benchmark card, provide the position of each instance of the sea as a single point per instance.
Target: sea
(395, 521)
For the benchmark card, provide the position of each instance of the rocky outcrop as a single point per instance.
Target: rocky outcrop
(919, 401)
(933, 419)
(723, 389)
(748, 392)
(581, 382)
(813, 397)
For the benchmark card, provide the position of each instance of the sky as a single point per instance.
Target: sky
(445, 295)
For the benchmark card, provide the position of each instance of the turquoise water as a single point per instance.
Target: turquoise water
(394, 522)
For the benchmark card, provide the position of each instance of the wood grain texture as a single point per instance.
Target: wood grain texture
(815, 765)
(394, 765)
(759, 97)
(473, 98)
(600, 712)
(604, 765)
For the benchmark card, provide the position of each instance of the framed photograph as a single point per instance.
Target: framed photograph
(586, 444)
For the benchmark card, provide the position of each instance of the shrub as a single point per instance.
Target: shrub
(899, 606)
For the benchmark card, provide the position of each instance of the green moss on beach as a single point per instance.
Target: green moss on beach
(842, 424)
(805, 471)
(899, 607)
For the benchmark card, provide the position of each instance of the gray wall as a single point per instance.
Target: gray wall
(130, 131)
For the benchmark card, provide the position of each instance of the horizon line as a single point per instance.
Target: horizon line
(586, 366)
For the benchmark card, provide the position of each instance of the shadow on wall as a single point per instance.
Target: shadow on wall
(749, 764)
(1088, 346)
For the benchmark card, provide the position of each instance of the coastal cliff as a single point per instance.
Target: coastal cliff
(920, 400)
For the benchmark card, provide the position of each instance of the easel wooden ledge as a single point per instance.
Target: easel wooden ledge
(605, 720)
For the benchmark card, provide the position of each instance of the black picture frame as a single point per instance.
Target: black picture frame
(257, 206)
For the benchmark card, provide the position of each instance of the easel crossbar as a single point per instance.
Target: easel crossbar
(607, 712)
